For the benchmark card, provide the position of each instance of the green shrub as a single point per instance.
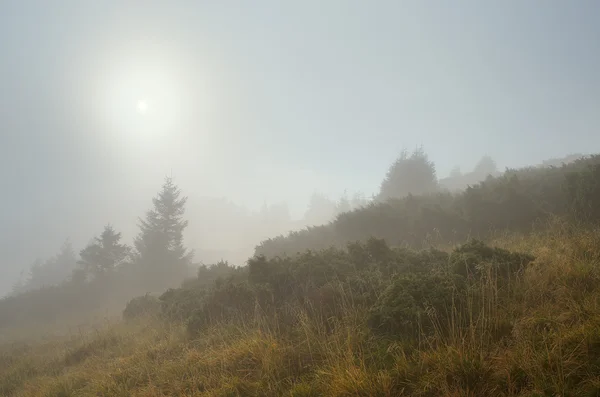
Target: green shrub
(415, 303)
(146, 305)
(229, 301)
(178, 304)
(472, 259)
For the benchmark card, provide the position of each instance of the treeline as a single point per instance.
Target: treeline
(236, 230)
(514, 200)
(411, 209)
(107, 270)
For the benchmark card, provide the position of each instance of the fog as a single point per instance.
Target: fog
(257, 106)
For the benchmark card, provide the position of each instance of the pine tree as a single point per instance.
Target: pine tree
(343, 205)
(53, 271)
(159, 245)
(20, 285)
(410, 174)
(320, 210)
(104, 254)
(63, 264)
(485, 167)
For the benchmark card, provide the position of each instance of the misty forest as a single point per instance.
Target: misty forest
(144, 258)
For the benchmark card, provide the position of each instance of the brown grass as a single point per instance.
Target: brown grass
(543, 340)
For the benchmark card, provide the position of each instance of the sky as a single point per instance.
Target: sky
(271, 101)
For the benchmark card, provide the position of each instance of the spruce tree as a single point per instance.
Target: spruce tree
(104, 254)
(320, 210)
(343, 205)
(159, 246)
(410, 174)
(486, 166)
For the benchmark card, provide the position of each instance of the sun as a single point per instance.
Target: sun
(142, 106)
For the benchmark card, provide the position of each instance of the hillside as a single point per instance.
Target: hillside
(517, 200)
(368, 322)
(490, 292)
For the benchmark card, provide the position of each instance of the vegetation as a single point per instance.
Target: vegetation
(369, 320)
(414, 174)
(518, 200)
(490, 292)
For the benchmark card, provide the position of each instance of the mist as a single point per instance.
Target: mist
(258, 107)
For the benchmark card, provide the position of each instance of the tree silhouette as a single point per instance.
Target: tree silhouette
(53, 271)
(320, 210)
(409, 174)
(159, 246)
(104, 254)
(343, 204)
(486, 166)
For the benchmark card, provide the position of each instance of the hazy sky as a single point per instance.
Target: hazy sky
(272, 100)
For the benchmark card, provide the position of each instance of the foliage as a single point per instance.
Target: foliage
(105, 254)
(140, 306)
(369, 319)
(53, 271)
(583, 190)
(160, 252)
(485, 167)
(475, 258)
(59, 291)
(404, 291)
(518, 200)
(411, 304)
(414, 174)
(364, 306)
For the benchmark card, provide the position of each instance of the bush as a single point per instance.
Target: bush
(412, 304)
(229, 301)
(146, 305)
(178, 304)
(475, 258)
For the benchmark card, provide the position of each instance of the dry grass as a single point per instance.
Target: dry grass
(544, 340)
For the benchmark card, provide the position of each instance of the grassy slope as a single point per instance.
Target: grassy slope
(554, 348)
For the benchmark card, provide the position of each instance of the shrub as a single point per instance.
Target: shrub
(414, 303)
(471, 259)
(179, 304)
(146, 305)
(229, 301)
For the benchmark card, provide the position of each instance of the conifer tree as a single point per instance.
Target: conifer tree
(410, 174)
(159, 246)
(104, 254)
(485, 167)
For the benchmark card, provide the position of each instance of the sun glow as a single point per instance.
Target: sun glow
(153, 99)
(144, 96)
(142, 106)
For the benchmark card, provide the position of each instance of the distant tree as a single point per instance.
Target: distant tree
(63, 264)
(20, 285)
(486, 166)
(104, 254)
(358, 200)
(276, 214)
(320, 210)
(159, 246)
(409, 174)
(79, 276)
(558, 162)
(53, 271)
(36, 275)
(343, 204)
(455, 172)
